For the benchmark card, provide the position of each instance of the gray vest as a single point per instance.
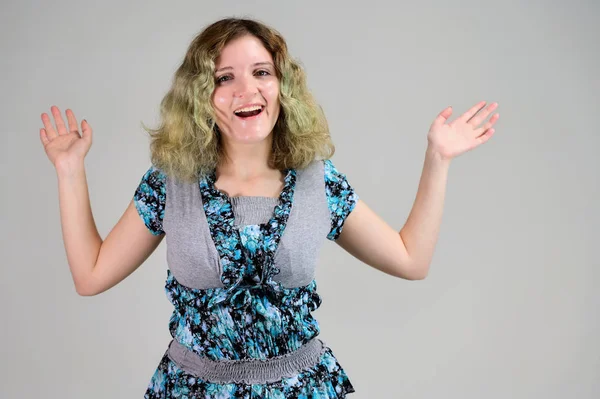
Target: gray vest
(191, 253)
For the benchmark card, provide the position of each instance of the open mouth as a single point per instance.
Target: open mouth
(248, 112)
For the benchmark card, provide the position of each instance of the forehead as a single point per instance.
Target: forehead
(241, 52)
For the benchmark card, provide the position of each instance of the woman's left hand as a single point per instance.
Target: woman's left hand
(450, 139)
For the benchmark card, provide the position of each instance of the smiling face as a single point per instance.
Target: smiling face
(246, 95)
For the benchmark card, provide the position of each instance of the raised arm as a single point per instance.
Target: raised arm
(96, 264)
(408, 253)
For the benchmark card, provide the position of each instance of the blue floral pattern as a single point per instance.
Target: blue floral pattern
(251, 323)
(341, 198)
(252, 316)
(150, 198)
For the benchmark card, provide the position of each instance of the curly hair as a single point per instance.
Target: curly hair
(186, 143)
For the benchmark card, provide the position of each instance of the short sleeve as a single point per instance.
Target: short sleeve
(150, 198)
(341, 198)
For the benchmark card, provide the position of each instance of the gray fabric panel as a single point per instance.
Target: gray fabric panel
(247, 371)
(307, 229)
(191, 253)
(252, 210)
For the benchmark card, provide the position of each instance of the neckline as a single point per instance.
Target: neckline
(228, 241)
(250, 198)
(281, 201)
(211, 179)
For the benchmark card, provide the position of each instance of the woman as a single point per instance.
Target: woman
(243, 188)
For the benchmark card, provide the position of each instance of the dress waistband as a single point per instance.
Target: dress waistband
(246, 371)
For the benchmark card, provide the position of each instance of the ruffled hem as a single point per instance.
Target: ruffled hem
(324, 380)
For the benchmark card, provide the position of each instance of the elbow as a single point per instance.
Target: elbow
(420, 273)
(85, 293)
(418, 268)
(413, 272)
(419, 276)
(84, 288)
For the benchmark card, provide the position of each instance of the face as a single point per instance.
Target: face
(246, 95)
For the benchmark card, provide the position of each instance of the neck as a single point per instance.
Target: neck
(246, 161)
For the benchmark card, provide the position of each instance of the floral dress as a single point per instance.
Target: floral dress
(252, 318)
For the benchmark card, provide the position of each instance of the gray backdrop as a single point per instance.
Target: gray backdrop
(510, 306)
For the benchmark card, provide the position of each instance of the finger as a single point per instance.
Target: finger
(50, 132)
(480, 117)
(488, 125)
(442, 117)
(73, 128)
(60, 124)
(464, 118)
(485, 136)
(44, 136)
(86, 130)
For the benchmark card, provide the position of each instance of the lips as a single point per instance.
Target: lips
(249, 110)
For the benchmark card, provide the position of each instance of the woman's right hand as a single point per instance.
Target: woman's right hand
(66, 148)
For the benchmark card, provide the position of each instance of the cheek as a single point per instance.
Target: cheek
(220, 100)
(271, 93)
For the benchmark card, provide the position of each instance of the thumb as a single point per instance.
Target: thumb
(442, 117)
(86, 130)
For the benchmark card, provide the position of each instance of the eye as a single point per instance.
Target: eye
(262, 72)
(223, 78)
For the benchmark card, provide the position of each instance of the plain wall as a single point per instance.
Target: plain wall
(510, 307)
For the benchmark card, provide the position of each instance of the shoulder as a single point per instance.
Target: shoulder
(323, 172)
(341, 197)
(331, 173)
(336, 182)
(153, 184)
(150, 198)
(154, 176)
(323, 169)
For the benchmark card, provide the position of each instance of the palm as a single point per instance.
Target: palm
(450, 139)
(65, 144)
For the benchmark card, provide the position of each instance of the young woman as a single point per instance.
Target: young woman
(243, 188)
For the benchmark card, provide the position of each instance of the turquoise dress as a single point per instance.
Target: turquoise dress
(252, 317)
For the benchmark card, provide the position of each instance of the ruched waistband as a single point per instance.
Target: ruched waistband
(246, 371)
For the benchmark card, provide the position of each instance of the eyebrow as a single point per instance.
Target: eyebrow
(254, 65)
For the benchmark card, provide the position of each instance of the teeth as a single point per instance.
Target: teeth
(247, 109)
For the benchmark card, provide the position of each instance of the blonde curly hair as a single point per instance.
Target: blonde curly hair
(186, 144)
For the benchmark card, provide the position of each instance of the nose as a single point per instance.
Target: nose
(245, 87)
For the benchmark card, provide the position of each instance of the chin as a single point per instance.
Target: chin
(250, 138)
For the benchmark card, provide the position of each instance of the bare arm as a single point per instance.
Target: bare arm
(408, 253)
(96, 265)
(125, 248)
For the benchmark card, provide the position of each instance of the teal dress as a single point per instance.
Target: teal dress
(252, 318)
